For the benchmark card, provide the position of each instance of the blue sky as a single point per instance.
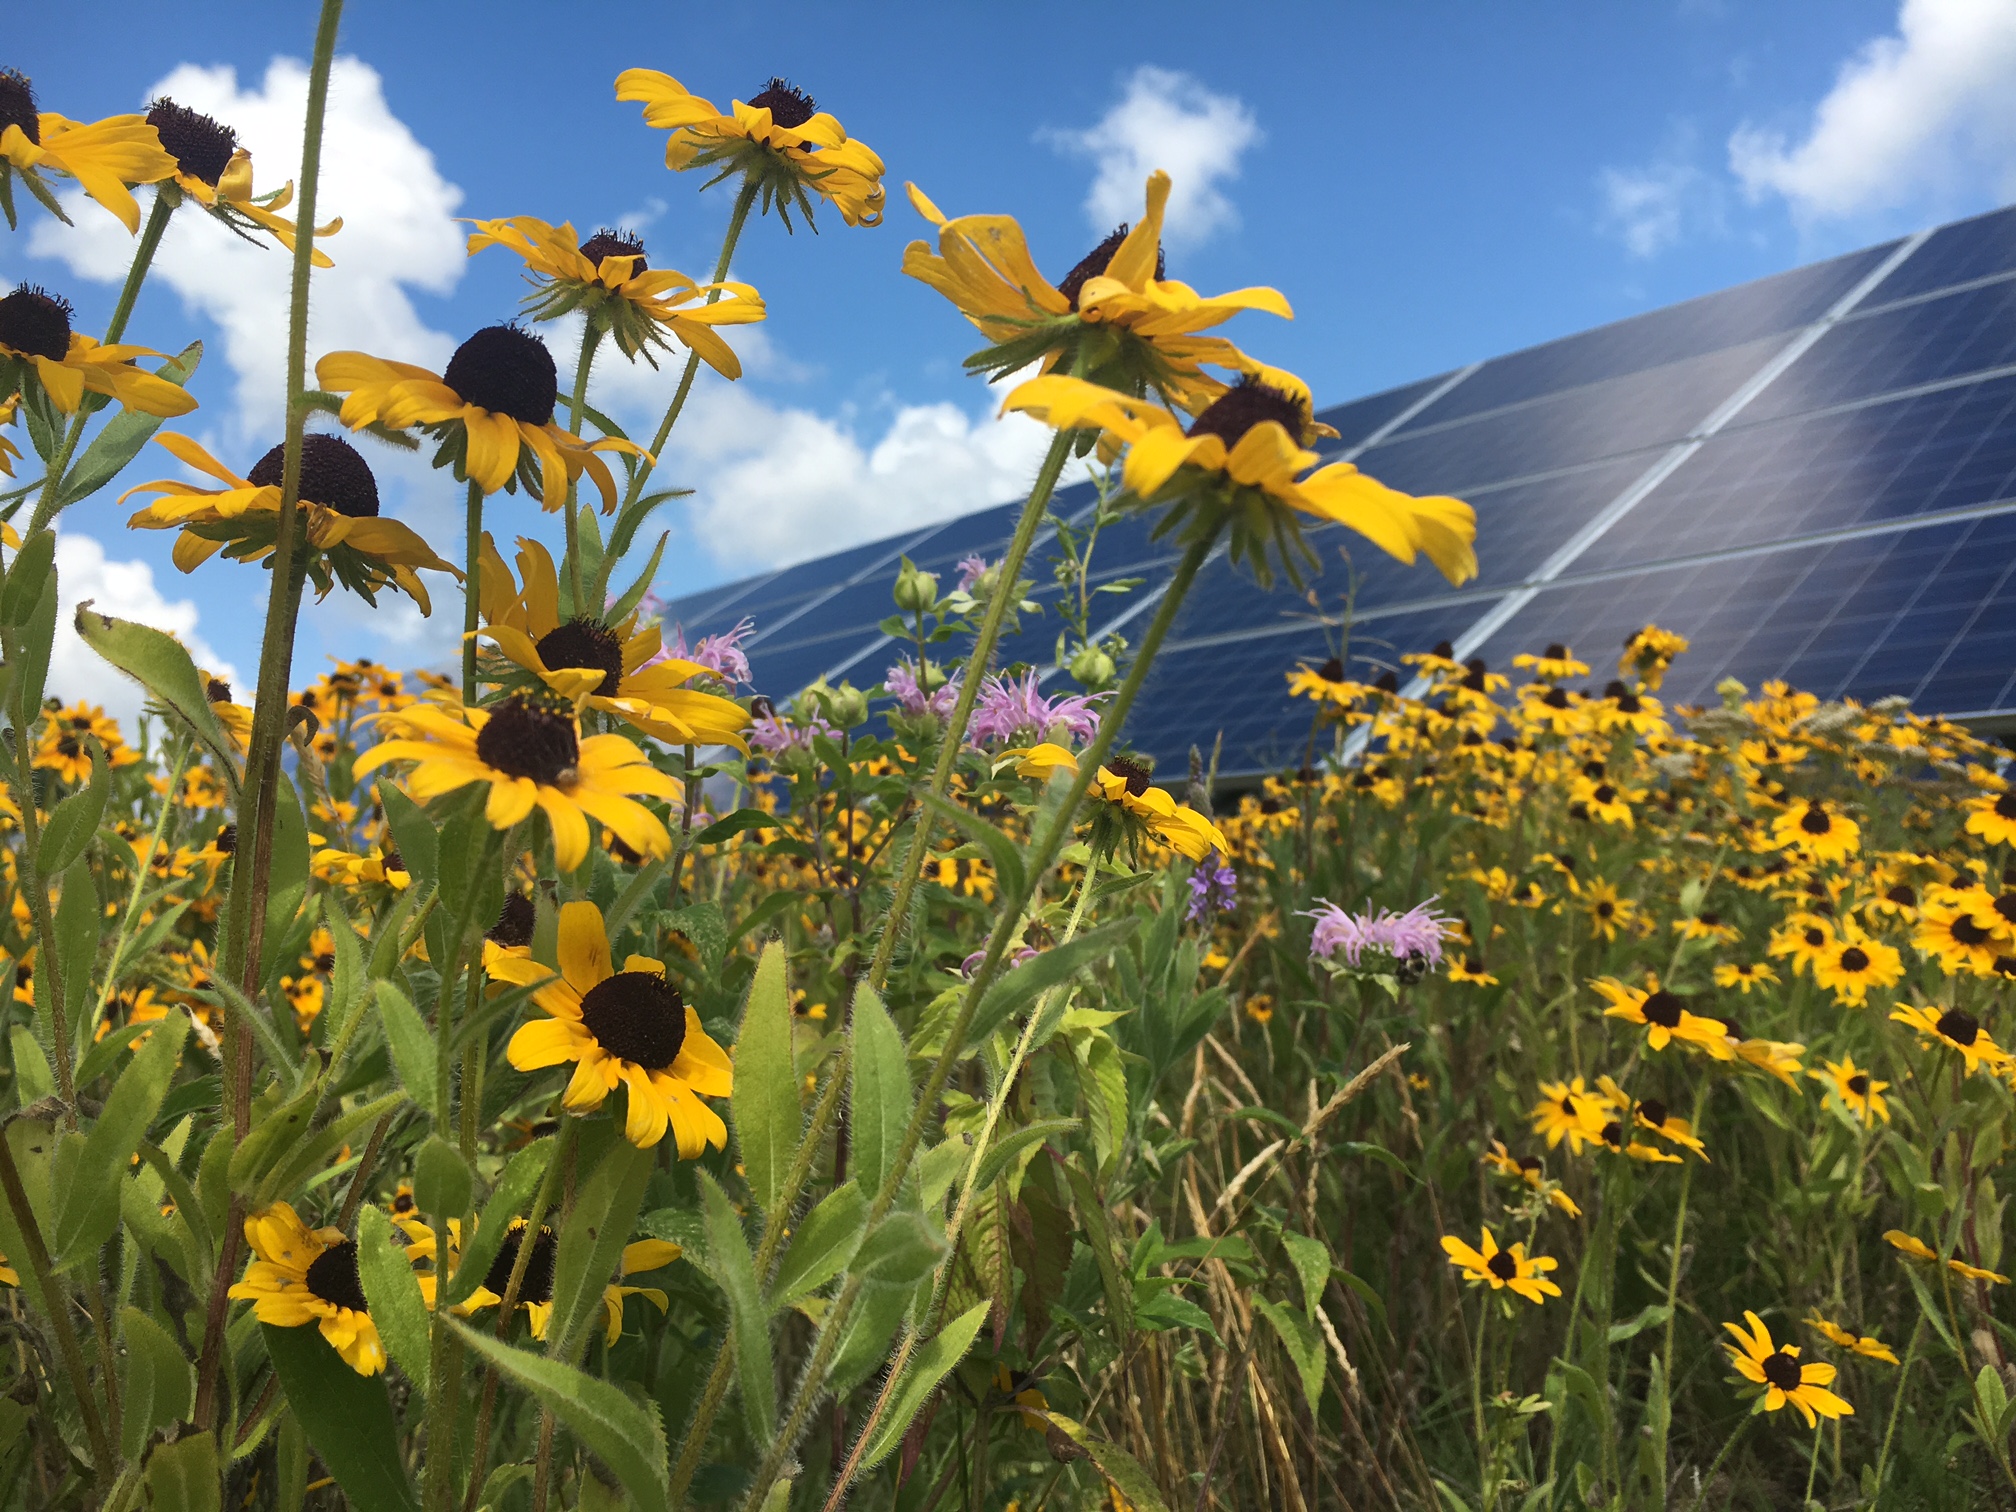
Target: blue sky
(1429, 184)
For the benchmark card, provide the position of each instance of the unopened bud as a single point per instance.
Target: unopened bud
(1092, 667)
(846, 705)
(915, 591)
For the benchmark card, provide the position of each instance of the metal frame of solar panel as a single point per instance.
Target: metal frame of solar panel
(1812, 476)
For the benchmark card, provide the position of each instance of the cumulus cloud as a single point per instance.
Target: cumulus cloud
(1645, 207)
(1927, 114)
(399, 232)
(1165, 120)
(84, 573)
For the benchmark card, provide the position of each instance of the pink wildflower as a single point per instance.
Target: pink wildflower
(1010, 706)
(1419, 932)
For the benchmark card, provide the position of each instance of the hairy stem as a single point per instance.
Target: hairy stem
(472, 594)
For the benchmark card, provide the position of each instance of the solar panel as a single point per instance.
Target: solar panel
(1979, 247)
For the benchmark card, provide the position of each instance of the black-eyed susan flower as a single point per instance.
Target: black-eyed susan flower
(491, 412)
(778, 142)
(214, 171)
(1622, 708)
(1608, 910)
(529, 751)
(350, 543)
(1341, 697)
(1918, 1249)
(402, 1204)
(39, 352)
(1245, 456)
(1555, 664)
(1568, 1110)
(1468, 968)
(1817, 830)
(1603, 800)
(1992, 816)
(625, 1028)
(1706, 925)
(8, 1275)
(1779, 1058)
(1125, 783)
(1961, 929)
(1866, 1345)
(511, 935)
(1648, 653)
(104, 157)
(1956, 1029)
(1853, 963)
(376, 866)
(618, 668)
(1530, 1170)
(1780, 1373)
(301, 1275)
(1499, 1269)
(1654, 1115)
(1664, 1015)
(63, 746)
(1260, 1007)
(1858, 1090)
(1113, 319)
(1743, 975)
(608, 280)
(1803, 938)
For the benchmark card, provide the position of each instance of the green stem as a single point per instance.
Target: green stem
(1720, 1455)
(146, 861)
(685, 828)
(1813, 1463)
(1051, 832)
(1897, 1404)
(1665, 1427)
(591, 338)
(472, 584)
(1477, 1400)
(50, 974)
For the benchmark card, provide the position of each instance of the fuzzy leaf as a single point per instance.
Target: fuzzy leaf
(927, 1368)
(348, 1419)
(158, 1384)
(882, 1097)
(510, 1198)
(162, 666)
(821, 1246)
(591, 1244)
(768, 1115)
(393, 1291)
(735, 1270)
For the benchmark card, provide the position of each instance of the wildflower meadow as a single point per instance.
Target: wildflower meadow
(588, 1077)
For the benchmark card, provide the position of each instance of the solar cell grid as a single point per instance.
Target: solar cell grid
(1356, 421)
(1968, 249)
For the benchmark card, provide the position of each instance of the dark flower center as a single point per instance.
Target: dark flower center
(2005, 905)
(1246, 404)
(332, 1277)
(1968, 933)
(1529, 1163)
(1502, 1265)
(219, 691)
(2004, 965)
(1729, 1026)
(537, 1284)
(1557, 698)
(227, 840)
(1654, 1111)
(506, 371)
(1663, 1009)
(585, 642)
(1568, 1104)
(1815, 821)
(788, 105)
(1331, 671)
(637, 1016)
(1903, 893)
(404, 1203)
(1555, 652)
(201, 147)
(1093, 265)
(1134, 771)
(1859, 1084)
(522, 739)
(36, 323)
(69, 745)
(1854, 959)
(17, 105)
(2005, 806)
(1613, 1134)
(607, 243)
(1604, 793)
(1782, 1371)
(326, 962)
(513, 928)
(1387, 682)
(334, 474)
(1605, 909)
(1815, 938)
(1959, 1026)
(392, 861)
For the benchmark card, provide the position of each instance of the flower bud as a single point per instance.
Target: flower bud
(846, 705)
(1092, 667)
(915, 591)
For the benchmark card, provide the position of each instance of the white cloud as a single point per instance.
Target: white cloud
(1646, 206)
(398, 234)
(125, 589)
(1165, 120)
(1926, 114)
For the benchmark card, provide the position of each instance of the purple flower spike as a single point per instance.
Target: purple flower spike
(901, 681)
(1214, 888)
(721, 655)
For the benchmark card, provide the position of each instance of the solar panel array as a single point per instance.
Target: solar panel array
(1812, 477)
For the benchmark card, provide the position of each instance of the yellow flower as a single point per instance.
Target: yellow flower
(1247, 450)
(627, 1028)
(1652, 1114)
(1501, 1268)
(1803, 937)
(39, 350)
(1470, 969)
(531, 754)
(1918, 1249)
(607, 279)
(1664, 1016)
(1781, 1375)
(1818, 831)
(778, 141)
(1992, 816)
(1853, 962)
(213, 170)
(1648, 654)
(620, 669)
(377, 867)
(8, 1275)
(1603, 800)
(1553, 665)
(1962, 929)
(1959, 1030)
(339, 504)
(1608, 910)
(492, 412)
(103, 156)
(1745, 976)
(1862, 1093)
(1113, 317)
(535, 1288)
(1567, 1110)
(9, 455)
(1847, 1338)
(301, 1275)
(1124, 783)
(1779, 1057)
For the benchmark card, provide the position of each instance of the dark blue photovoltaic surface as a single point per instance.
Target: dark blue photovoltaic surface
(1356, 421)
(1968, 249)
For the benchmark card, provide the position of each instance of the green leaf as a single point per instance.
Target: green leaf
(76, 819)
(31, 646)
(162, 666)
(1304, 1344)
(634, 594)
(625, 1435)
(605, 1212)
(33, 1080)
(733, 825)
(157, 1384)
(1311, 1259)
(821, 1246)
(1650, 1316)
(106, 1053)
(442, 1180)
(510, 1198)
(901, 1251)
(25, 576)
(748, 1320)
(1050, 968)
(864, 1347)
(77, 918)
(182, 1476)
(348, 1419)
(413, 833)
(1011, 1145)
(768, 1116)
(393, 1291)
(301, 1161)
(882, 1096)
(927, 1368)
(1099, 1238)
(87, 1198)
(1116, 1464)
(347, 981)
(120, 440)
(704, 924)
(1003, 852)
(412, 1045)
